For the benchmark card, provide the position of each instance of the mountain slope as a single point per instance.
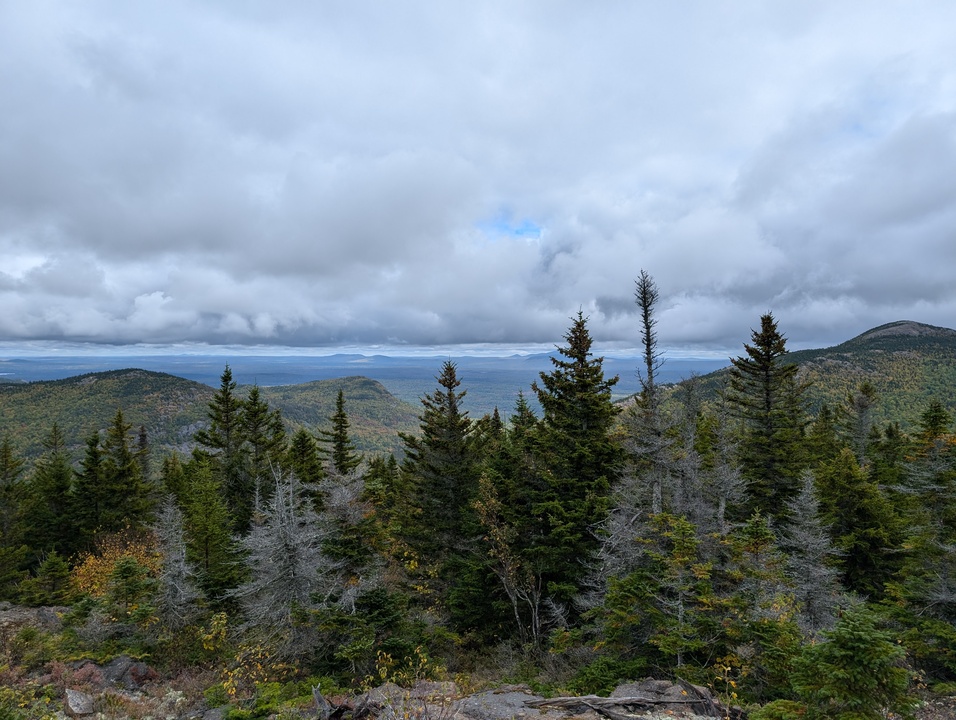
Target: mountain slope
(169, 407)
(375, 415)
(172, 408)
(908, 363)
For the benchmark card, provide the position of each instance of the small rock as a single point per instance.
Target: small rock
(78, 703)
(128, 673)
(170, 702)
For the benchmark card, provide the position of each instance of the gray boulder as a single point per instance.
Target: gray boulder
(78, 703)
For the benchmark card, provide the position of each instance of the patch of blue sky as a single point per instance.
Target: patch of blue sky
(504, 225)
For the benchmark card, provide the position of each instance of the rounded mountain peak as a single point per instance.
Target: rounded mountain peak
(906, 328)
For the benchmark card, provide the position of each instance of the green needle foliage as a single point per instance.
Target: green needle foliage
(857, 673)
(768, 399)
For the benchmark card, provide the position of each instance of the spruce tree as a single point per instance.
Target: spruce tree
(441, 468)
(11, 489)
(340, 450)
(13, 552)
(856, 419)
(857, 673)
(823, 441)
(172, 477)
(579, 456)
(90, 497)
(667, 601)
(862, 524)
(210, 547)
(759, 616)
(48, 518)
(264, 443)
(513, 536)
(925, 589)
(889, 452)
(126, 494)
(766, 396)
(386, 492)
(348, 508)
(303, 459)
(222, 441)
(109, 491)
(51, 585)
(142, 453)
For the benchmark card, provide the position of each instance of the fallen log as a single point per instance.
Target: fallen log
(687, 697)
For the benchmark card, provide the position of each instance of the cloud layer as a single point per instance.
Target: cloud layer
(431, 173)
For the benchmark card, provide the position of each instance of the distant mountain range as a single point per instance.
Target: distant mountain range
(490, 381)
(908, 363)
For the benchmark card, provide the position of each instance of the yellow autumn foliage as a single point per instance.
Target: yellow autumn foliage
(91, 574)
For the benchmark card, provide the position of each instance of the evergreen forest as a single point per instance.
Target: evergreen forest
(796, 555)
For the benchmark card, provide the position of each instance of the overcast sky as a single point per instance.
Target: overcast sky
(433, 173)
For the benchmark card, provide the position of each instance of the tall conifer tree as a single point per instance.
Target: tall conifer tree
(768, 399)
(127, 497)
(222, 441)
(862, 523)
(264, 445)
(442, 467)
(210, 547)
(442, 464)
(48, 518)
(340, 450)
(302, 458)
(580, 456)
(12, 550)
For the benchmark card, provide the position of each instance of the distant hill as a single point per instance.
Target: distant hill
(908, 363)
(169, 407)
(375, 415)
(172, 408)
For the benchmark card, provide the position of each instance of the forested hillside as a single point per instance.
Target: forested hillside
(796, 556)
(376, 415)
(171, 409)
(907, 364)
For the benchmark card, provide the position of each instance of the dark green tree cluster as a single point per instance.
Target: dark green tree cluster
(61, 508)
(743, 529)
(738, 542)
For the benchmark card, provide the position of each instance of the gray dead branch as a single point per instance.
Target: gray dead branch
(650, 695)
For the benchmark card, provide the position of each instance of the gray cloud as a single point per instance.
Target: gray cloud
(360, 173)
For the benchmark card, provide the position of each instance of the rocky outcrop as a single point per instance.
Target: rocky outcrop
(440, 700)
(505, 703)
(14, 617)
